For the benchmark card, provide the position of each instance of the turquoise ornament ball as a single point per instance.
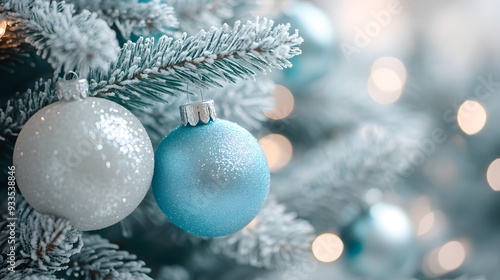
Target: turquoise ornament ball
(318, 49)
(378, 242)
(211, 179)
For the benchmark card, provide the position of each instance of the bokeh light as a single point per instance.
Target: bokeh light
(426, 224)
(431, 265)
(493, 175)
(283, 103)
(3, 27)
(253, 223)
(471, 117)
(362, 20)
(393, 65)
(391, 221)
(278, 150)
(327, 247)
(387, 80)
(264, 7)
(373, 195)
(452, 255)
(444, 259)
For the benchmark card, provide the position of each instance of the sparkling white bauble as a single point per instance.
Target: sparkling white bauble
(90, 161)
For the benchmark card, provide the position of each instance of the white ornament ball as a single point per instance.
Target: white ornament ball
(90, 161)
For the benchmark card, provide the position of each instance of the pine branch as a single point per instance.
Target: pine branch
(344, 104)
(337, 172)
(148, 70)
(150, 223)
(130, 17)
(273, 239)
(66, 40)
(195, 15)
(23, 106)
(18, 110)
(243, 102)
(45, 243)
(49, 242)
(100, 259)
(23, 211)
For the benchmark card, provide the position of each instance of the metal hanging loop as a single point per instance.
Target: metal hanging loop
(73, 89)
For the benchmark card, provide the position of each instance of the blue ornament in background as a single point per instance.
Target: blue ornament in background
(378, 242)
(318, 48)
(211, 176)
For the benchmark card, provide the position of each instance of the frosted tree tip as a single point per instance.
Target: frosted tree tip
(282, 51)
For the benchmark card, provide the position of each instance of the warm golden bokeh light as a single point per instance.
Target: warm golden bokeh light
(278, 150)
(380, 96)
(452, 255)
(3, 27)
(471, 117)
(425, 224)
(283, 103)
(252, 224)
(444, 259)
(387, 79)
(393, 64)
(431, 266)
(327, 247)
(493, 175)
(352, 14)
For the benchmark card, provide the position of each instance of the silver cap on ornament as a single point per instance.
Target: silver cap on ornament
(194, 113)
(74, 89)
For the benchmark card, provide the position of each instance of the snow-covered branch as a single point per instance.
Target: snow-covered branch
(273, 239)
(67, 40)
(131, 17)
(100, 259)
(149, 70)
(195, 15)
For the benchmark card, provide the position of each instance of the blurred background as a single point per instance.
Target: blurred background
(422, 71)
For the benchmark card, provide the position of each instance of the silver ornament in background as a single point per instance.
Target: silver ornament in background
(378, 242)
(83, 158)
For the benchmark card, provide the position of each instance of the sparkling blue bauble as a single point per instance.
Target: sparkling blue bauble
(377, 244)
(318, 48)
(211, 179)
